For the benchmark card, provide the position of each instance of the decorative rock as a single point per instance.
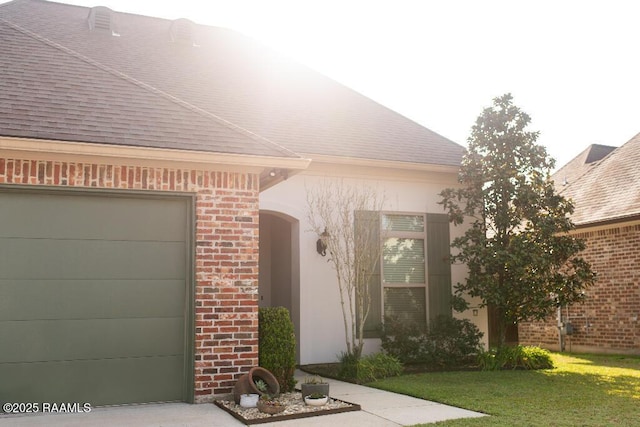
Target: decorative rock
(294, 405)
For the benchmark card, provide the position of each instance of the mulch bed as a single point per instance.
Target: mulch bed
(296, 408)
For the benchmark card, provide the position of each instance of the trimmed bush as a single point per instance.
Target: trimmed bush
(447, 342)
(403, 340)
(518, 357)
(277, 345)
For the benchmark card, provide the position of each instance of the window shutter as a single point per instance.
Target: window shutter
(439, 265)
(367, 229)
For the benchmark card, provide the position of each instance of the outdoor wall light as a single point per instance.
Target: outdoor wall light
(321, 244)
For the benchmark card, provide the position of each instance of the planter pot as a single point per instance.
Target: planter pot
(307, 389)
(270, 409)
(249, 400)
(316, 401)
(246, 384)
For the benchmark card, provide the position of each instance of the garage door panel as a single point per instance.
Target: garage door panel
(88, 259)
(94, 292)
(56, 216)
(94, 381)
(37, 341)
(91, 299)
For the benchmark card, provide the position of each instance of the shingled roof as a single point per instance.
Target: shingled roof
(610, 190)
(580, 164)
(49, 91)
(175, 84)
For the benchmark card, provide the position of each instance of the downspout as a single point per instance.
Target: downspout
(560, 335)
(567, 327)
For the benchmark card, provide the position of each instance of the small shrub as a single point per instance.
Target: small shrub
(518, 357)
(535, 358)
(277, 345)
(403, 340)
(348, 369)
(377, 366)
(368, 368)
(446, 342)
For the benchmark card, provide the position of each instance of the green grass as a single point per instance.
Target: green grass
(583, 390)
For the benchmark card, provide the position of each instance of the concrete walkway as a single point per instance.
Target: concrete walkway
(379, 409)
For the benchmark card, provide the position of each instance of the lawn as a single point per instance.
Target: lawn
(583, 390)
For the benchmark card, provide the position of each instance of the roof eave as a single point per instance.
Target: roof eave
(631, 218)
(388, 164)
(41, 149)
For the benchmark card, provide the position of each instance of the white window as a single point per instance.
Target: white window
(412, 281)
(404, 268)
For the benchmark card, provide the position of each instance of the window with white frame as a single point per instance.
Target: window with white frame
(412, 281)
(404, 269)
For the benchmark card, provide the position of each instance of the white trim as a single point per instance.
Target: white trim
(41, 149)
(389, 164)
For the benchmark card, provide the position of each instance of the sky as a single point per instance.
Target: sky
(573, 66)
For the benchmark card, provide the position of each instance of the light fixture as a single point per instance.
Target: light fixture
(272, 173)
(321, 243)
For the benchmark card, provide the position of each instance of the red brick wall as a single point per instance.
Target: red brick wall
(609, 320)
(226, 254)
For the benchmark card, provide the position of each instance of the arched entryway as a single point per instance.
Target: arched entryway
(279, 279)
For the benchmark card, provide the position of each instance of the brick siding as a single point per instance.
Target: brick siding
(609, 320)
(226, 253)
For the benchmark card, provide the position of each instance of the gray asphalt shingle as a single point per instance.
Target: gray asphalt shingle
(226, 74)
(611, 189)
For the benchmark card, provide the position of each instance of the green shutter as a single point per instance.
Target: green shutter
(368, 223)
(439, 265)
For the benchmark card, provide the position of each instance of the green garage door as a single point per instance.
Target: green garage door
(94, 298)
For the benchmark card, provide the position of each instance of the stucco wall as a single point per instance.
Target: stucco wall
(321, 329)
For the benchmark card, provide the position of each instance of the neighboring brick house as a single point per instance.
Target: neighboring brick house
(604, 184)
(152, 197)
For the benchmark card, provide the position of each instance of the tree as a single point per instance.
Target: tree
(520, 256)
(341, 214)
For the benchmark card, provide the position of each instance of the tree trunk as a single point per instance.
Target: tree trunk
(502, 331)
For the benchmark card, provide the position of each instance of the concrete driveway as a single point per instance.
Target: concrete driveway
(379, 409)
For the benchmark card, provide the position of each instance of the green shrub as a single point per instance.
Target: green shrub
(446, 342)
(277, 345)
(403, 340)
(377, 366)
(518, 357)
(348, 369)
(368, 368)
(533, 357)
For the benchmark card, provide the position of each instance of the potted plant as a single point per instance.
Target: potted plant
(316, 399)
(249, 400)
(269, 405)
(314, 384)
(248, 384)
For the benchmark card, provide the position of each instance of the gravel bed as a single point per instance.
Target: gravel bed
(295, 406)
